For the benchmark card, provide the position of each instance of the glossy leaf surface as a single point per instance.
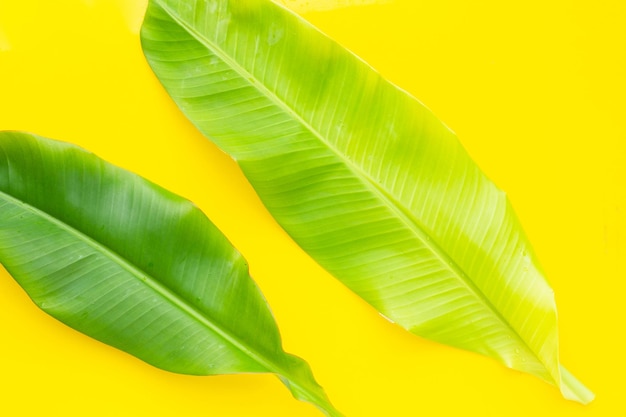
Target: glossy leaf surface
(135, 266)
(362, 176)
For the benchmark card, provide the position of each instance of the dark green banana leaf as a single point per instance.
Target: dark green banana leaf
(135, 266)
(362, 176)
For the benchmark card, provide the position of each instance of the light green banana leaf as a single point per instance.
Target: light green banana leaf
(362, 176)
(135, 266)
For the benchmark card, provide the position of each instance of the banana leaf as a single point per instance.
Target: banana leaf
(130, 264)
(304, 6)
(362, 176)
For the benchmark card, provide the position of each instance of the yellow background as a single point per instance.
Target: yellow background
(536, 92)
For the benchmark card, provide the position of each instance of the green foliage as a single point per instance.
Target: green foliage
(135, 266)
(362, 176)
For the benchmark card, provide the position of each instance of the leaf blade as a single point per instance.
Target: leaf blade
(362, 176)
(130, 264)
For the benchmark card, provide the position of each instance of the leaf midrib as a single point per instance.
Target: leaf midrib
(389, 199)
(166, 293)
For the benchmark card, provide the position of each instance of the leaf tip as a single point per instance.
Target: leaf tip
(574, 390)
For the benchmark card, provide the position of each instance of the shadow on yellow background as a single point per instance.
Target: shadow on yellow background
(535, 92)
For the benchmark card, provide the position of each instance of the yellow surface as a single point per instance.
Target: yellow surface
(535, 91)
